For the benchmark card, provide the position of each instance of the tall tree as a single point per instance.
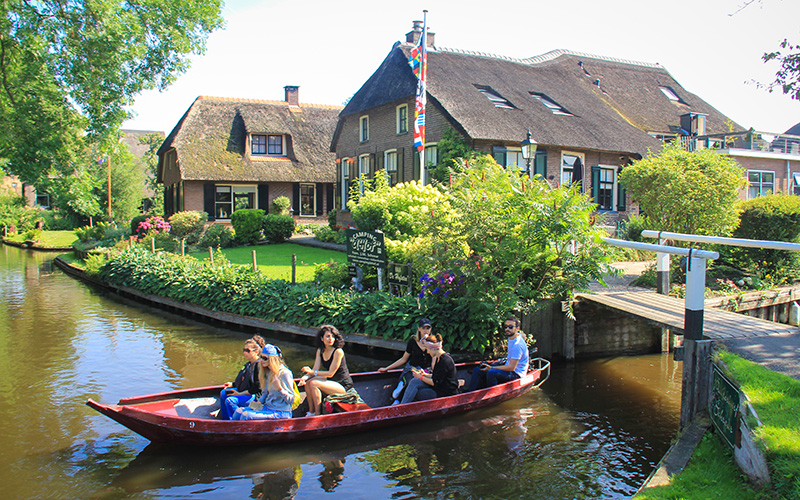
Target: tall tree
(787, 78)
(69, 69)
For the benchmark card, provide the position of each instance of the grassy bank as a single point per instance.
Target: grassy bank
(712, 472)
(48, 239)
(275, 261)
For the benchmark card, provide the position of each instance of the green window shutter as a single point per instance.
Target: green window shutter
(540, 164)
(621, 194)
(596, 184)
(499, 155)
(209, 198)
(296, 198)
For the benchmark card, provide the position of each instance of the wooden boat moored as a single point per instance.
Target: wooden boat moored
(184, 416)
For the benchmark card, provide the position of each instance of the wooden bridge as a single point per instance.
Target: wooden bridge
(668, 312)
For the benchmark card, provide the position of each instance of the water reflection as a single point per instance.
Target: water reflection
(595, 430)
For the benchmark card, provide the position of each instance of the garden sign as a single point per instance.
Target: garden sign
(366, 248)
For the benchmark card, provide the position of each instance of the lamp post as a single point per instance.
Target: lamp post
(528, 150)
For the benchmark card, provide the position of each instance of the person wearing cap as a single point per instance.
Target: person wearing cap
(245, 386)
(414, 357)
(514, 366)
(443, 379)
(277, 382)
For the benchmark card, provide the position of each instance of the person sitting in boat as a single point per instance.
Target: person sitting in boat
(245, 386)
(415, 357)
(329, 374)
(514, 366)
(277, 395)
(443, 379)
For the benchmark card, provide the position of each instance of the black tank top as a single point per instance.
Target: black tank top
(342, 375)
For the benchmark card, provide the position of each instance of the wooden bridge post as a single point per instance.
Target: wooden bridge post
(696, 351)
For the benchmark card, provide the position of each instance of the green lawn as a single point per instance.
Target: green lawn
(275, 261)
(712, 473)
(49, 239)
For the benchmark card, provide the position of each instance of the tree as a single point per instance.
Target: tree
(69, 69)
(686, 192)
(788, 75)
(150, 157)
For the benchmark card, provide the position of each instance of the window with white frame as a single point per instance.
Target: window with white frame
(228, 199)
(43, 200)
(605, 189)
(567, 162)
(494, 97)
(363, 165)
(308, 200)
(363, 129)
(267, 145)
(796, 179)
(762, 183)
(390, 160)
(431, 155)
(402, 119)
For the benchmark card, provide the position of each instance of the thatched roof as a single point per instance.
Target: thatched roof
(211, 136)
(616, 104)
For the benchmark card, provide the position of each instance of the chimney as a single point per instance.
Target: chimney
(292, 93)
(412, 36)
(694, 123)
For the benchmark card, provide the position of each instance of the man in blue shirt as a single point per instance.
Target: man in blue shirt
(515, 366)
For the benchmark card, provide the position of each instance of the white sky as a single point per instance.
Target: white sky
(330, 47)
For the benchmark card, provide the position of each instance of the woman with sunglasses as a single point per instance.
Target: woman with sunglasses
(245, 386)
(414, 357)
(329, 374)
(443, 379)
(277, 382)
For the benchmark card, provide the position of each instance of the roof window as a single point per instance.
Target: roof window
(671, 95)
(494, 97)
(555, 107)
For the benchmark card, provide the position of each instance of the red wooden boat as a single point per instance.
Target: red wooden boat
(184, 416)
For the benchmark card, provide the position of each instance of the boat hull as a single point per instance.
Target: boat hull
(154, 416)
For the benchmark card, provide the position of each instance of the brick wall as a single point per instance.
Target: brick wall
(783, 183)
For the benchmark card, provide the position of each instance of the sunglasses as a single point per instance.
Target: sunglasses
(509, 327)
(264, 358)
(247, 350)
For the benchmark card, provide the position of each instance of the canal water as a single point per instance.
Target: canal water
(596, 429)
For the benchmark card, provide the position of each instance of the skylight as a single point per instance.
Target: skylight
(555, 107)
(671, 94)
(494, 97)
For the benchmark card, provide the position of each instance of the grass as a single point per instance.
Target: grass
(713, 474)
(49, 239)
(776, 399)
(275, 261)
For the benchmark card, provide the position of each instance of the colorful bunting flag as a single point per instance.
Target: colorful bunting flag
(419, 64)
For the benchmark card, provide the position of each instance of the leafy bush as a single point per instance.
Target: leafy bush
(280, 206)
(94, 263)
(332, 219)
(135, 224)
(331, 275)
(278, 228)
(29, 218)
(774, 217)
(247, 225)
(152, 225)
(163, 241)
(327, 235)
(188, 225)
(217, 236)
(57, 220)
(632, 228)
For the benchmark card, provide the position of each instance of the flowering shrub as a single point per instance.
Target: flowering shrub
(727, 286)
(155, 224)
(444, 284)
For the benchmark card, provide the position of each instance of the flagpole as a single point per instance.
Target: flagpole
(424, 76)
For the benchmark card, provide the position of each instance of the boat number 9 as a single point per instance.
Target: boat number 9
(191, 425)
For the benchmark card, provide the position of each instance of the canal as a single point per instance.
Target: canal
(596, 429)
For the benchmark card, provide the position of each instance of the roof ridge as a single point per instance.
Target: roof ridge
(266, 101)
(548, 56)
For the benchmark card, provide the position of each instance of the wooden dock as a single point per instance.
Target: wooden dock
(668, 312)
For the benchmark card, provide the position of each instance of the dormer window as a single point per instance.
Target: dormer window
(267, 145)
(494, 97)
(555, 107)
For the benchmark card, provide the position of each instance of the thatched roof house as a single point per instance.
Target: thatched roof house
(226, 154)
(601, 110)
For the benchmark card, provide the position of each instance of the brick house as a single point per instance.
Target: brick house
(225, 154)
(600, 110)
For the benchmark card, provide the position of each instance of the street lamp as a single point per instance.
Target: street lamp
(528, 149)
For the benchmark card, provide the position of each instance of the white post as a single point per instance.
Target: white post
(662, 271)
